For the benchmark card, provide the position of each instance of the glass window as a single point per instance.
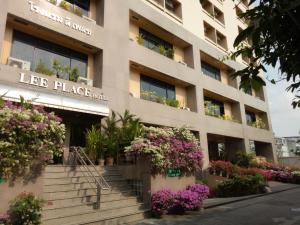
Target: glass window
(210, 71)
(213, 107)
(250, 117)
(38, 51)
(157, 87)
(82, 5)
(153, 42)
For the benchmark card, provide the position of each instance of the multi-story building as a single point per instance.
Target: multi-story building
(161, 59)
(287, 146)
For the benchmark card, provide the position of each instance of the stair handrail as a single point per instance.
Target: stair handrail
(100, 182)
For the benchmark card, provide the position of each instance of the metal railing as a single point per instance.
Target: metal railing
(91, 173)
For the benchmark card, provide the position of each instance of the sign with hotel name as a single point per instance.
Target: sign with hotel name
(58, 85)
(56, 18)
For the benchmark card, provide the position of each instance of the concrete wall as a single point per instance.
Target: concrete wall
(290, 161)
(31, 182)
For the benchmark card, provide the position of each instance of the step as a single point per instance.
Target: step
(104, 204)
(78, 174)
(82, 217)
(68, 180)
(60, 168)
(78, 185)
(85, 195)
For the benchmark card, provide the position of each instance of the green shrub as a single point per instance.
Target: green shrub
(25, 210)
(242, 185)
(243, 159)
(41, 68)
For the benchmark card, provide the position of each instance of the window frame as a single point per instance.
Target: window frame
(170, 90)
(39, 44)
(213, 72)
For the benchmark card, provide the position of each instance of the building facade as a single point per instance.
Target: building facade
(287, 146)
(160, 59)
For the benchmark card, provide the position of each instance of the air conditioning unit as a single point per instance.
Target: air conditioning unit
(83, 80)
(18, 63)
(183, 63)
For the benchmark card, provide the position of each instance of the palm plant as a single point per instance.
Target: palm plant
(93, 143)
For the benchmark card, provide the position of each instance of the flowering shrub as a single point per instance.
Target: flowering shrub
(161, 201)
(166, 201)
(241, 185)
(26, 210)
(27, 133)
(175, 148)
(269, 171)
(4, 217)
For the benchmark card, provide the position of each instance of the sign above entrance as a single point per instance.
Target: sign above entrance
(59, 19)
(59, 85)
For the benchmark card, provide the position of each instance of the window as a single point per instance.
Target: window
(152, 42)
(210, 71)
(38, 51)
(213, 107)
(157, 87)
(250, 117)
(82, 5)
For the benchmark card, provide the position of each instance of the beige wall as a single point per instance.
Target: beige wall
(31, 182)
(133, 30)
(134, 83)
(227, 109)
(224, 77)
(181, 96)
(178, 54)
(7, 44)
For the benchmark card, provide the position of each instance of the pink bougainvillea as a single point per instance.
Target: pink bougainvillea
(175, 148)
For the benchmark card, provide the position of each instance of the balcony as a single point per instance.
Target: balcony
(151, 85)
(221, 107)
(215, 37)
(217, 70)
(256, 118)
(172, 8)
(85, 9)
(153, 37)
(213, 11)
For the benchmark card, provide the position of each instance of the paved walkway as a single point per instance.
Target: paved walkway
(274, 186)
(283, 196)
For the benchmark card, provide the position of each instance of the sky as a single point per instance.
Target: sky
(285, 119)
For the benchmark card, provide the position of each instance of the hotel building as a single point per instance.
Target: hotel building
(160, 59)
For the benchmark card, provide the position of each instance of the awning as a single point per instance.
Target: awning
(55, 100)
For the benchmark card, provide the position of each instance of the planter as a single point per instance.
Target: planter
(109, 161)
(101, 162)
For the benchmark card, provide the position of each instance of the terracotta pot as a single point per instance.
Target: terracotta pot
(109, 161)
(101, 162)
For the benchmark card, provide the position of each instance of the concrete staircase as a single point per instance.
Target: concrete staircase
(70, 198)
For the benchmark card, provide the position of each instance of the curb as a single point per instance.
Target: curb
(249, 197)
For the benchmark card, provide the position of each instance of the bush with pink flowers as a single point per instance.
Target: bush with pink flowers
(170, 148)
(27, 133)
(166, 201)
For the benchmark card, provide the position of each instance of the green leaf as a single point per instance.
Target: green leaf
(243, 35)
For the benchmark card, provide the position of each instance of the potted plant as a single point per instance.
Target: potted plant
(54, 2)
(92, 143)
(63, 4)
(78, 12)
(140, 39)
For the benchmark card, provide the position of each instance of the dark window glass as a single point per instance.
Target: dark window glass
(36, 51)
(248, 91)
(152, 42)
(159, 88)
(81, 5)
(215, 107)
(250, 117)
(210, 71)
